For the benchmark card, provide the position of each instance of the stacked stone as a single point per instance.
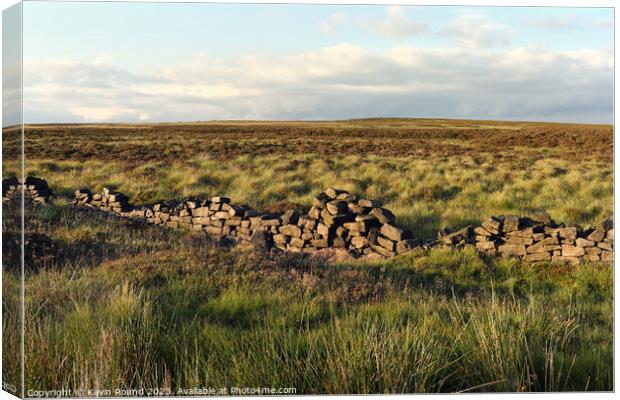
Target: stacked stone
(108, 200)
(216, 216)
(36, 190)
(341, 220)
(539, 238)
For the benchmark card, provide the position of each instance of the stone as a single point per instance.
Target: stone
(458, 236)
(537, 257)
(191, 204)
(220, 199)
(290, 217)
(605, 246)
(512, 249)
(221, 215)
(337, 207)
(261, 241)
(332, 193)
(597, 236)
(539, 247)
(369, 203)
(314, 213)
(405, 246)
(551, 240)
(332, 220)
(373, 234)
(520, 240)
(394, 233)
(542, 217)
(311, 224)
(233, 221)
(320, 243)
(383, 215)
(346, 197)
(386, 243)
(485, 245)
(528, 232)
(291, 230)
(342, 232)
(234, 211)
(572, 251)
(297, 242)
(383, 251)
(512, 223)
(610, 235)
(359, 242)
(117, 197)
(481, 231)
(356, 209)
(553, 232)
(338, 242)
(593, 251)
(271, 222)
(323, 229)
(568, 233)
(581, 242)
(492, 225)
(321, 200)
(352, 226)
(607, 256)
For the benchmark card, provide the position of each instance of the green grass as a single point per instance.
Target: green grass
(160, 309)
(425, 195)
(128, 307)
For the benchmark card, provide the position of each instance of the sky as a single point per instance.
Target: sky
(156, 62)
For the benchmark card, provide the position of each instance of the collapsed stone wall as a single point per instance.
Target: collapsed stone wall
(35, 190)
(537, 239)
(339, 219)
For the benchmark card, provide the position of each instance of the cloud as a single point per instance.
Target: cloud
(343, 81)
(572, 22)
(397, 24)
(335, 21)
(476, 31)
(556, 24)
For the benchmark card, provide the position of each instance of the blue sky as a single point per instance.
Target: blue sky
(108, 62)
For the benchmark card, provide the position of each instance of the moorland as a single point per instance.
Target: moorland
(126, 306)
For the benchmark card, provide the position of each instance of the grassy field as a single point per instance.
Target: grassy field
(134, 307)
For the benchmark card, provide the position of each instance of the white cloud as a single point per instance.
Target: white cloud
(572, 22)
(397, 24)
(343, 81)
(475, 31)
(335, 21)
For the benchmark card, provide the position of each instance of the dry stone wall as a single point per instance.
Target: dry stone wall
(339, 219)
(35, 190)
(536, 239)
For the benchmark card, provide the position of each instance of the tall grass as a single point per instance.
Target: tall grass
(425, 194)
(178, 313)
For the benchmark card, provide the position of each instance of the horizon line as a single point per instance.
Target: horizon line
(181, 122)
